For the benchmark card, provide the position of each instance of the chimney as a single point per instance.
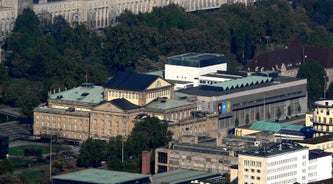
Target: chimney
(145, 166)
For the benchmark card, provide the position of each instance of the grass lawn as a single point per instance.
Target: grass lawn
(33, 175)
(19, 162)
(19, 150)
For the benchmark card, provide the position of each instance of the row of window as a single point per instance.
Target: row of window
(252, 170)
(252, 163)
(278, 176)
(252, 177)
(279, 162)
(284, 168)
(121, 94)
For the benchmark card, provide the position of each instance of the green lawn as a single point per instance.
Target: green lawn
(33, 175)
(19, 150)
(19, 162)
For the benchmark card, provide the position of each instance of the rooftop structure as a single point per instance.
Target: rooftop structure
(99, 176)
(182, 176)
(196, 59)
(86, 93)
(190, 66)
(322, 118)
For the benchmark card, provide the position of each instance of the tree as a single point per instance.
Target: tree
(315, 74)
(278, 113)
(268, 115)
(92, 152)
(257, 116)
(247, 120)
(289, 110)
(5, 167)
(236, 122)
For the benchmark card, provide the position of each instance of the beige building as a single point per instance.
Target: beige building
(324, 143)
(103, 112)
(322, 118)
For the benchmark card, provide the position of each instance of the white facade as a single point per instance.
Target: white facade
(283, 164)
(206, 80)
(190, 74)
(319, 168)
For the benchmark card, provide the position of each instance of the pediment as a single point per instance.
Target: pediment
(108, 107)
(159, 83)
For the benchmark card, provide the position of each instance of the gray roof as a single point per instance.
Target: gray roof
(274, 150)
(101, 176)
(180, 176)
(164, 104)
(87, 93)
(196, 59)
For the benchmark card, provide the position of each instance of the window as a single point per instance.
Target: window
(258, 171)
(252, 170)
(258, 178)
(246, 170)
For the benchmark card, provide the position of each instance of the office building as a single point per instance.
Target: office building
(322, 118)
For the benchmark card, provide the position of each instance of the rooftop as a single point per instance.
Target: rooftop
(274, 150)
(131, 81)
(317, 153)
(318, 140)
(277, 127)
(182, 176)
(101, 176)
(87, 93)
(227, 89)
(196, 59)
(164, 104)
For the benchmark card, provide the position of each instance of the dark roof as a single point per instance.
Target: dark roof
(131, 81)
(317, 140)
(291, 57)
(123, 104)
(317, 153)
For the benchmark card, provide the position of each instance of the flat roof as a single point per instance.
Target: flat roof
(196, 59)
(317, 153)
(165, 104)
(87, 93)
(273, 150)
(209, 90)
(181, 176)
(318, 140)
(101, 176)
(274, 127)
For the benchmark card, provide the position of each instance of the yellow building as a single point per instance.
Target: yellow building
(322, 118)
(323, 142)
(103, 112)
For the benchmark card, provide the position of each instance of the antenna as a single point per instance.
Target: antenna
(86, 77)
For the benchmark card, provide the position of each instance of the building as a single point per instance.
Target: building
(202, 153)
(102, 112)
(282, 163)
(287, 61)
(94, 13)
(250, 99)
(281, 131)
(324, 143)
(98, 176)
(322, 118)
(184, 70)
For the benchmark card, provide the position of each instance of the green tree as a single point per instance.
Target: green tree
(247, 119)
(236, 122)
(92, 152)
(315, 75)
(257, 116)
(278, 113)
(289, 110)
(5, 167)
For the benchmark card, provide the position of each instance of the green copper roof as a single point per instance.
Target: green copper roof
(87, 93)
(274, 127)
(180, 176)
(100, 176)
(242, 82)
(164, 104)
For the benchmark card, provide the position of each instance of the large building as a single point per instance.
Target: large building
(249, 99)
(184, 70)
(94, 13)
(103, 112)
(282, 163)
(322, 118)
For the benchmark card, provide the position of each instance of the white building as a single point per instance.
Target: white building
(282, 164)
(186, 69)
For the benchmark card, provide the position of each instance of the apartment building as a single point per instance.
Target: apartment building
(280, 164)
